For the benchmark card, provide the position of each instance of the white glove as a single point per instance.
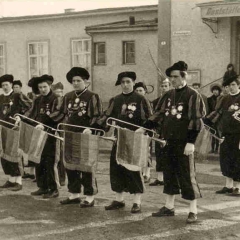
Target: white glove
(40, 127)
(140, 130)
(87, 131)
(17, 120)
(189, 149)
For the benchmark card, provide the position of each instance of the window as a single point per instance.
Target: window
(81, 53)
(100, 53)
(129, 52)
(2, 60)
(38, 58)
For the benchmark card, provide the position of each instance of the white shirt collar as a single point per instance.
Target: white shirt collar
(233, 94)
(7, 94)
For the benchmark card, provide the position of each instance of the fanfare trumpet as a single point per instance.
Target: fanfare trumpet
(151, 133)
(213, 133)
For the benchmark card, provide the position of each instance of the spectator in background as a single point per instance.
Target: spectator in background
(197, 87)
(229, 73)
(212, 102)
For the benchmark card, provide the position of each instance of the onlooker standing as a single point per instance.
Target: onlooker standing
(229, 73)
(212, 101)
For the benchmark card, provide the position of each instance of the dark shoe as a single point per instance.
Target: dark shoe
(35, 180)
(115, 205)
(27, 175)
(39, 192)
(146, 179)
(86, 204)
(164, 212)
(136, 208)
(156, 183)
(225, 190)
(235, 193)
(70, 201)
(16, 187)
(192, 218)
(7, 184)
(51, 194)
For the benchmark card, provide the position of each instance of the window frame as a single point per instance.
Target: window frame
(96, 54)
(124, 52)
(4, 57)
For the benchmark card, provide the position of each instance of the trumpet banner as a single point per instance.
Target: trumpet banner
(10, 145)
(32, 141)
(203, 144)
(132, 149)
(80, 151)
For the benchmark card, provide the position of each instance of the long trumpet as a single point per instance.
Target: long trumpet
(11, 124)
(213, 133)
(163, 142)
(53, 129)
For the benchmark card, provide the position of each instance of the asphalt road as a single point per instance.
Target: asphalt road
(25, 217)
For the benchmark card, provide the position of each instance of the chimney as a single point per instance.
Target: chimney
(131, 20)
(69, 10)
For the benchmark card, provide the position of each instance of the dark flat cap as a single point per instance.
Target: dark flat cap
(77, 71)
(121, 75)
(230, 80)
(140, 84)
(56, 86)
(196, 84)
(216, 87)
(181, 66)
(33, 82)
(17, 82)
(6, 78)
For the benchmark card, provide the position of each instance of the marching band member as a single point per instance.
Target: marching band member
(141, 89)
(10, 104)
(130, 107)
(165, 87)
(44, 110)
(230, 127)
(180, 114)
(80, 107)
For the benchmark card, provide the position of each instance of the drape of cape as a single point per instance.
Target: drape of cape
(132, 108)
(32, 141)
(81, 151)
(80, 109)
(10, 145)
(132, 149)
(185, 122)
(12, 104)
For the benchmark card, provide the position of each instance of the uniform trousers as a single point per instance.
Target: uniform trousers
(122, 179)
(14, 169)
(179, 171)
(230, 157)
(159, 152)
(76, 179)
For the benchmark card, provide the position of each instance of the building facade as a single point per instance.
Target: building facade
(52, 44)
(205, 34)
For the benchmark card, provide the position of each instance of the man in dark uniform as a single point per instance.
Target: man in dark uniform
(130, 107)
(80, 107)
(44, 110)
(165, 87)
(10, 104)
(180, 116)
(230, 127)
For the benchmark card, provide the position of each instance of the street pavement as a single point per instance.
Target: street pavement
(25, 217)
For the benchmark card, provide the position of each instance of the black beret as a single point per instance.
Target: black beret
(56, 86)
(17, 82)
(6, 78)
(230, 80)
(33, 82)
(216, 87)
(77, 71)
(181, 66)
(121, 75)
(140, 84)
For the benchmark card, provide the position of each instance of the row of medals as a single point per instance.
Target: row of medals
(174, 111)
(234, 107)
(77, 100)
(10, 103)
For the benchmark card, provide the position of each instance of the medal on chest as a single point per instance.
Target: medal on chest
(174, 111)
(77, 100)
(11, 103)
